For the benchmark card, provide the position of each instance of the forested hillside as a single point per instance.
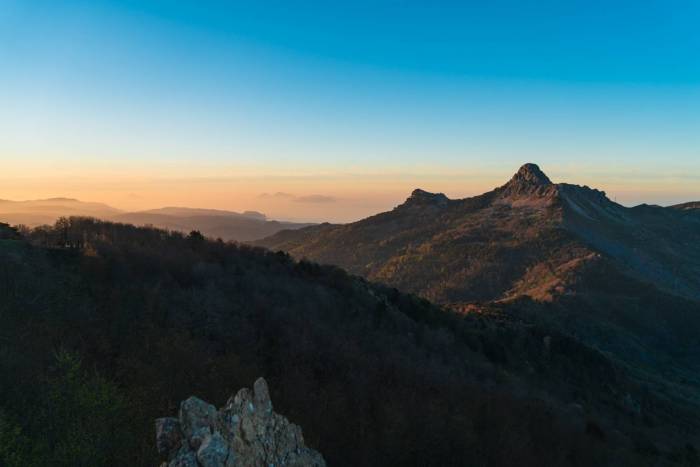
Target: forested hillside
(105, 327)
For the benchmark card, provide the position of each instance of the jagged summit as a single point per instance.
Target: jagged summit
(528, 180)
(530, 174)
(245, 432)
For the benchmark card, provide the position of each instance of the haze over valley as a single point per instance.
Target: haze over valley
(215, 223)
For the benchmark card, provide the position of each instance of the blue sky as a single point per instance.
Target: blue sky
(601, 92)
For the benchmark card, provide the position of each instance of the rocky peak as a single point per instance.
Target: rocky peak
(528, 180)
(530, 174)
(245, 432)
(422, 197)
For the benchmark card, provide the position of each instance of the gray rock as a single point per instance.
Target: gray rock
(196, 418)
(261, 396)
(213, 452)
(184, 458)
(198, 436)
(246, 432)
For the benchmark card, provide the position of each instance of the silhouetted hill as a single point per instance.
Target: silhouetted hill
(192, 212)
(46, 211)
(689, 206)
(228, 225)
(212, 223)
(105, 327)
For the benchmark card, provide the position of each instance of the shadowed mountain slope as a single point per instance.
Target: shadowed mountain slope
(105, 327)
(487, 247)
(691, 205)
(622, 280)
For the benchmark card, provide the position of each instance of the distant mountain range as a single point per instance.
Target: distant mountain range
(46, 211)
(228, 225)
(622, 280)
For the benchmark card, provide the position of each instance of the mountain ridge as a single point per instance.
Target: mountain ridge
(527, 205)
(622, 280)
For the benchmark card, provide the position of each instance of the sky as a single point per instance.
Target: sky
(337, 110)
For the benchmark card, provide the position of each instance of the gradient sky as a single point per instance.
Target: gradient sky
(344, 108)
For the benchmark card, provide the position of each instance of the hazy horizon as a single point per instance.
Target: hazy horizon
(344, 109)
(337, 200)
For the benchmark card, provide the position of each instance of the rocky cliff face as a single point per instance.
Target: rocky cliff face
(246, 432)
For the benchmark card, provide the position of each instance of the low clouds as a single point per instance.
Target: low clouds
(309, 199)
(278, 195)
(315, 199)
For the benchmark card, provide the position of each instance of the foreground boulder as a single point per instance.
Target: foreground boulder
(246, 432)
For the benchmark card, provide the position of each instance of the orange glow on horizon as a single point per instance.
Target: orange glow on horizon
(300, 193)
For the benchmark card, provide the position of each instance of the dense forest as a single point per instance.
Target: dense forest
(105, 327)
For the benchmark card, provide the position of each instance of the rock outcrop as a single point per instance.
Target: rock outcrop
(528, 180)
(424, 198)
(246, 432)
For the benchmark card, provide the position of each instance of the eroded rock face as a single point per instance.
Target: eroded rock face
(246, 432)
(529, 180)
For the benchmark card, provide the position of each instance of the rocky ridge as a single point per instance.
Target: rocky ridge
(481, 248)
(528, 180)
(625, 280)
(423, 198)
(245, 432)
